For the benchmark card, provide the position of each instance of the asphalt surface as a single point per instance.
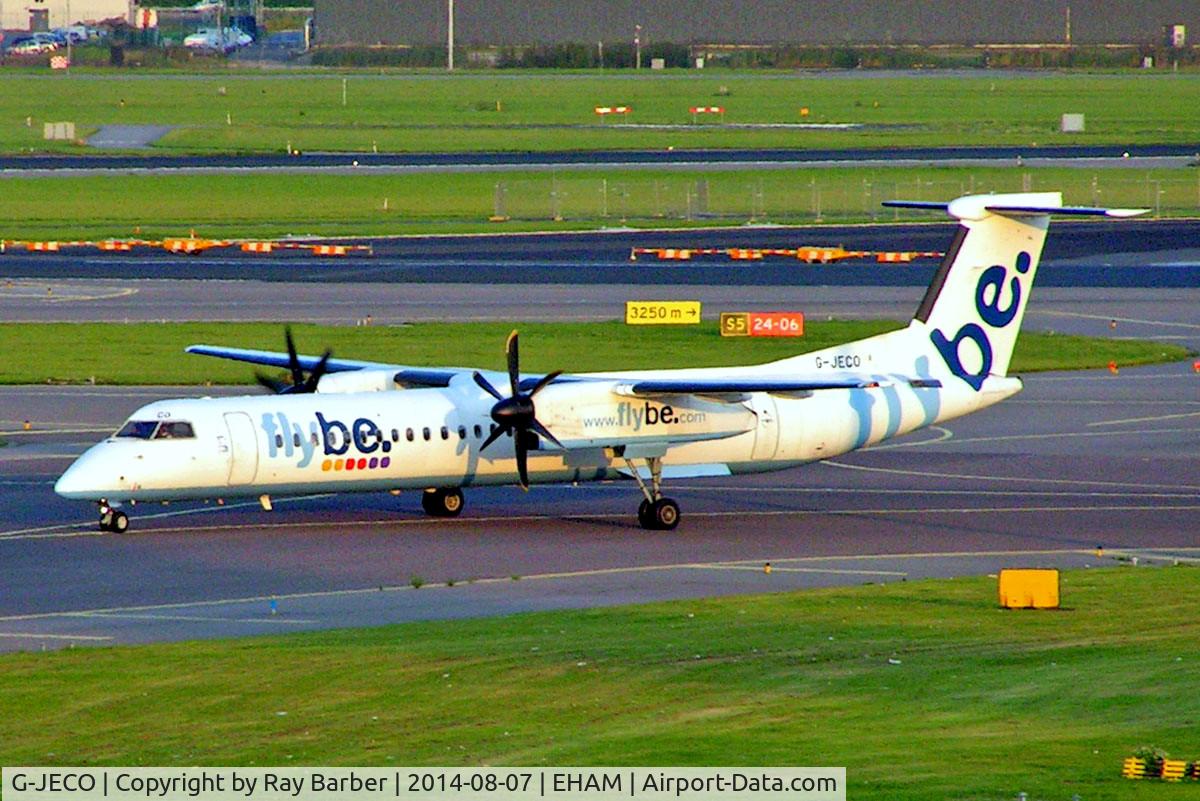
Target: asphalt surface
(1115, 155)
(1132, 253)
(1076, 461)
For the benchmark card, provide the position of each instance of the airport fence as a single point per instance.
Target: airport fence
(785, 198)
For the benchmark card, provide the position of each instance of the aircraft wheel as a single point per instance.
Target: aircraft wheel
(114, 520)
(665, 513)
(644, 514)
(662, 515)
(442, 502)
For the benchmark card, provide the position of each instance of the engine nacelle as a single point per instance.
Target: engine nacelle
(357, 381)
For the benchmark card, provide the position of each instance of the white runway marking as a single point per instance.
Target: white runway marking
(20, 635)
(1065, 435)
(1083, 316)
(193, 618)
(406, 522)
(1144, 419)
(66, 529)
(976, 477)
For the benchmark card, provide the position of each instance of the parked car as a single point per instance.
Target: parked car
(211, 39)
(48, 41)
(27, 45)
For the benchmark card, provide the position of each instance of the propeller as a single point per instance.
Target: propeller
(300, 384)
(516, 414)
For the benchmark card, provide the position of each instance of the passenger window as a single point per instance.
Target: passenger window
(279, 440)
(478, 432)
(462, 433)
(315, 441)
(296, 439)
(445, 433)
(395, 435)
(174, 429)
(425, 433)
(138, 429)
(408, 434)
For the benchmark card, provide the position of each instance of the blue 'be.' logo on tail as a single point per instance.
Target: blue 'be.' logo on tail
(987, 304)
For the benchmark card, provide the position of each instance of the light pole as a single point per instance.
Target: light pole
(637, 46)
(449, 35)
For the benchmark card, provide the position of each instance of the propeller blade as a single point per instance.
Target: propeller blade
(514, 363)
(546, 379)
(544, 432)
(276, 387)
(486, 386)
(495, 435)
(522, 460)
(314, 377)
(293, 359)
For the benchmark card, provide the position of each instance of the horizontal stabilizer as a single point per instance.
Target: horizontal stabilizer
(969, 207)
(1077, 211)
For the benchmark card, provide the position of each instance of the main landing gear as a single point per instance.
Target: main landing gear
(442, 502)
(113, 520)
(655, 512)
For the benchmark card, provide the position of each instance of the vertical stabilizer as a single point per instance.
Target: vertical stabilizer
(973, 310)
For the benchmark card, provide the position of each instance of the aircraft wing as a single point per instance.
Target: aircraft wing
(411, 376)
(729, 389)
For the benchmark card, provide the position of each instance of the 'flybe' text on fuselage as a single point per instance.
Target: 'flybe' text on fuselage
(332, 437)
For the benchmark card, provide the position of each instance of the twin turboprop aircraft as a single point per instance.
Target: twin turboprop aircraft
(353, 426)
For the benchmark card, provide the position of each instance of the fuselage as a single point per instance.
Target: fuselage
(422, 438)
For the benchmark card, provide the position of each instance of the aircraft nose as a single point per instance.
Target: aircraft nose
(74, 482)
(86, 478)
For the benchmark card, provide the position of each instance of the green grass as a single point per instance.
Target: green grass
(152, 353)
(396, 111)
(270, 205)
(983, 704)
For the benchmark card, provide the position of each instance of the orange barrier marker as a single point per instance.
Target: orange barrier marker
(745, 254)
(42, 247)
(1196, 367)
(190, 245)
(329, 250)
(674, 254)
(115, 245)
(698, 110)
(1112, 368)
(258, 247)
(604, 111)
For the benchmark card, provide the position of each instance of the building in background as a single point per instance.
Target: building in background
(16, 14)
(535, 22)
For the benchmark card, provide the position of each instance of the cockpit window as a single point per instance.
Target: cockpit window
(174, 429)
(138, 429)
(154, 429)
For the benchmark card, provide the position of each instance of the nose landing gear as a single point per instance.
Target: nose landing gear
(113, 520)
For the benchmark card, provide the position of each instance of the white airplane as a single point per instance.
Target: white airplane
(354, 426)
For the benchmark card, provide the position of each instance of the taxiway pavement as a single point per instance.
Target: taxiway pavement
(1076, 461)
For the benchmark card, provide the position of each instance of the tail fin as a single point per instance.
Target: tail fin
(980, 291)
